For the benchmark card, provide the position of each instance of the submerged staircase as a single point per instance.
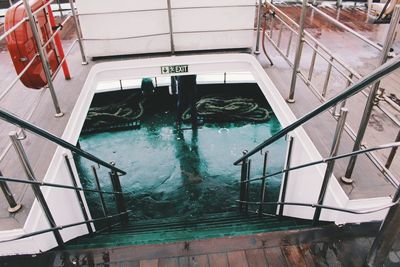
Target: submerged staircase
(167, 230)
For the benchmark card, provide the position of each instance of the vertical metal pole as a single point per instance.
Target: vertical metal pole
(60, 8)
(331, 164)
(299, 51)
(243, 175)
(259, 14)
(327, 78)
(372, 95)
(278, 42)
(171, 29)
(121, 207)
(78, 32)
(247, 191)
(262, 194)
(43, 57)
(289, 44)
(103, 203)
(13, 205)
(386, 236)
(78, 194)
(343, 103)
(392, 152)
(11, 3)
(36, 188)
(286, 174)
(314, 56)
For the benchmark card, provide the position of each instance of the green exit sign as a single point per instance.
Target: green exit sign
(174, 69)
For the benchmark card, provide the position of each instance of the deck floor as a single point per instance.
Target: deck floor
(328, 246)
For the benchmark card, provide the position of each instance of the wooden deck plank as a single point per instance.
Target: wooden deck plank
(293, 256)
(256, 258)
(183, 261)
(237, 259)
(168, 262)
(275, 257)
(149, 263)
(218, 260)
(198, 261)
(130, 264)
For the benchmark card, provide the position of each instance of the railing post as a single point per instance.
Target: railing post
(171, 29)
(13, 205)
(386, 236)
(312, 64)
(243, 177)
(327, 78)
(299, 51)
(372, 94)
(103, 203)
(78, 32)
(331, 164)
(121, 207)
(60, 8)
(262, 193)
(36, 188)
(247, 187)
(392, 152)
(285, 177)
(43, 57)
(259, 14)
(78, 194)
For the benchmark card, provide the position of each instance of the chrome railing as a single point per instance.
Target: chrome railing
(347, 74)
(23, 125)
(36, 185)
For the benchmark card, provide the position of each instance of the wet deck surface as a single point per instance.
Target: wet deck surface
(329, 246)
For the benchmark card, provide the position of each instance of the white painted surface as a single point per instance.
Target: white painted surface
(303, 185)
(122, 27)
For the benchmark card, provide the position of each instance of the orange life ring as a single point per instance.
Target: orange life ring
(22, 47)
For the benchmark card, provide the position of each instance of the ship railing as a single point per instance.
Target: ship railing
(389, 227)
(279, 23)
(114, 173)
(41, 48)
(42, 56)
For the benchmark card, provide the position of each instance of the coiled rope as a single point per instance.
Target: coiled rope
(227, 108)
(125, 111)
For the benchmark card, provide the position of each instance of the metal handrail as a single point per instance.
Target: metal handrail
(13, 119)
(57, 228)
(343, 26)
(325, 160)
(369, 79)
(340, 67)
(22, 181)
(312, 205)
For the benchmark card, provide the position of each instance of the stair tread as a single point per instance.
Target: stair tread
(178, 229)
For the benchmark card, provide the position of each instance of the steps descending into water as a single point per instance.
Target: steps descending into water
(175, 229)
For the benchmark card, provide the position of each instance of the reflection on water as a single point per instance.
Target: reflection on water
(181, 173)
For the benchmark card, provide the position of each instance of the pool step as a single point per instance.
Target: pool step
(179, 229)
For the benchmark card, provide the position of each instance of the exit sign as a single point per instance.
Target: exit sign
(174, 69)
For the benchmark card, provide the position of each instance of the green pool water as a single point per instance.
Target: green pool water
(187, 173)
